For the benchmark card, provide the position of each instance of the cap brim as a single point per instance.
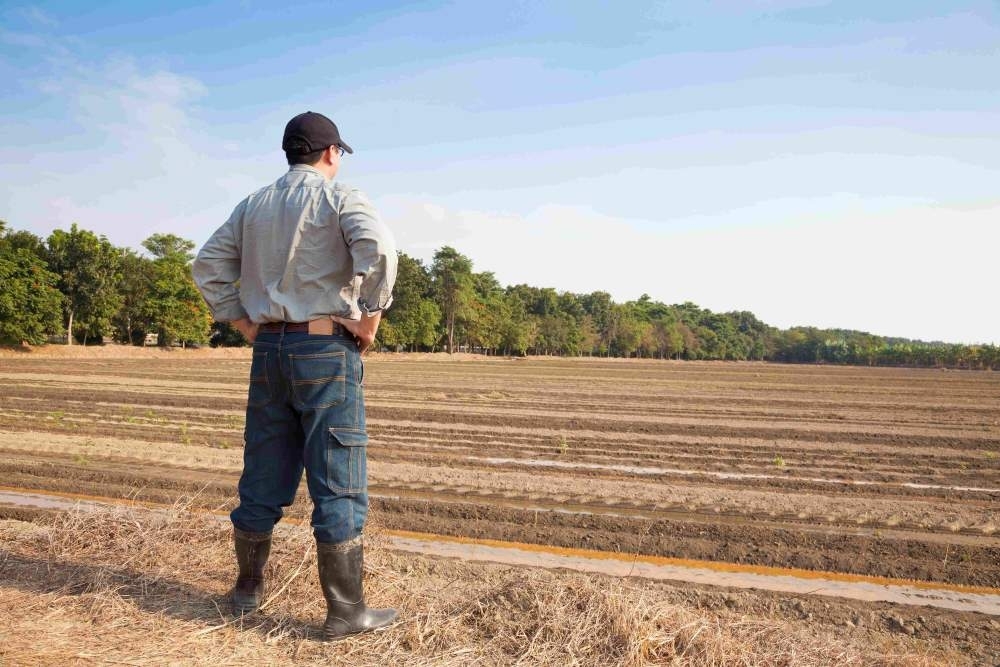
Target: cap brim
(346, 148)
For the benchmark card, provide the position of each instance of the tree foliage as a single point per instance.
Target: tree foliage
(133, 322)
(79, 283)
(172, 305)
(523, 319)
(414, 318)
(452, 286)
(30, 303)
(102, 289)
(89, 269)
(169, 247)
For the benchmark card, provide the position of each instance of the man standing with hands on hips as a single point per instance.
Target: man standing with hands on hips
(303, 268)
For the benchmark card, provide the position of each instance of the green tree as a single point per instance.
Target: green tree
(21, 239)
(169, 246)
(174, 306)
(451, 280)
(426, 333)
(590, 337)
(413, 319)
(89, 270)
(599, 306)
(629, 330)
(517, 331)
(132, 321)
(30, 304)
(483, 320)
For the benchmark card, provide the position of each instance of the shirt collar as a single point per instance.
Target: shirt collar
(305, 167)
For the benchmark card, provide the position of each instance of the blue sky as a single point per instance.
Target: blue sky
(822, 163)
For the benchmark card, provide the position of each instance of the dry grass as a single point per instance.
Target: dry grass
(129, 586)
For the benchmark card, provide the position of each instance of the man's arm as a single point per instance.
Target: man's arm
(373, 251)
(364, 330)
(247, 328)
(216, 271)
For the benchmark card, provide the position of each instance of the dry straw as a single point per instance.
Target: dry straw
(135, 587)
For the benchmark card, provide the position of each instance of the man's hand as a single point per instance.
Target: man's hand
(364, 330)
(247, 328)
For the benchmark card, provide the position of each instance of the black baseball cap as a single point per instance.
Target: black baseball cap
(309, 132)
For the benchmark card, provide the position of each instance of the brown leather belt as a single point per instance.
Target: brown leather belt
(323, 326)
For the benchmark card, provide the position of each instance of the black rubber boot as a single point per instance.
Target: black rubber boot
(252, 550)
(340, 572)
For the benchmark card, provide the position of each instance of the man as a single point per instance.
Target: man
(303, 268)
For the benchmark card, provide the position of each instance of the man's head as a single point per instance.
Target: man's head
(313, 139)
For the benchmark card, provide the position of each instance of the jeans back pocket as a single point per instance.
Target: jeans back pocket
(319, 379)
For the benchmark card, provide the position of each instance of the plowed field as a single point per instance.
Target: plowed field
(889, 472)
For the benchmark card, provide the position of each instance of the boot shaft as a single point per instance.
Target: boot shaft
(341, 571)
(252, 551)
(341, 575)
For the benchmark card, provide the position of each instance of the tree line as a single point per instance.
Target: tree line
(78, 285)
(448, 305)
(81, 286)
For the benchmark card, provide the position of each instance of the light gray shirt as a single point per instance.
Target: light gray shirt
(300, 249)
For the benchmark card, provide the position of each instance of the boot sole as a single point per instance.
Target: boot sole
(244, 612)
(336, 638)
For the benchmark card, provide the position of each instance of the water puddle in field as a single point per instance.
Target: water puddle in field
(800, 582)
(44, 501)
(650, 470)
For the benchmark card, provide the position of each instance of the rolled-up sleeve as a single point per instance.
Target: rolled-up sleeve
(216, 270)
(373, 251)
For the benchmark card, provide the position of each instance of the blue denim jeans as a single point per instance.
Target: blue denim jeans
(305, 410)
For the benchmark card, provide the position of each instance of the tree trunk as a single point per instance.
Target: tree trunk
(69, 329)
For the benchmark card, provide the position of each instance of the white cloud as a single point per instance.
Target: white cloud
(129, 161)
(139, 114)
(37, 16)
(23, 39)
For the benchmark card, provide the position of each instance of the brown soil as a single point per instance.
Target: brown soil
(892, 472)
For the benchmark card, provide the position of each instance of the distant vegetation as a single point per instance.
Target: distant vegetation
(80, 286)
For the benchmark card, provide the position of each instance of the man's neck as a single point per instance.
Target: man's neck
(328, 171)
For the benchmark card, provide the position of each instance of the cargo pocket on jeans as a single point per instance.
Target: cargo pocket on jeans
(347, 461)
(260, 389)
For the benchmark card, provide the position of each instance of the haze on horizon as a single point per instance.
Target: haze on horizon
(816, 163)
